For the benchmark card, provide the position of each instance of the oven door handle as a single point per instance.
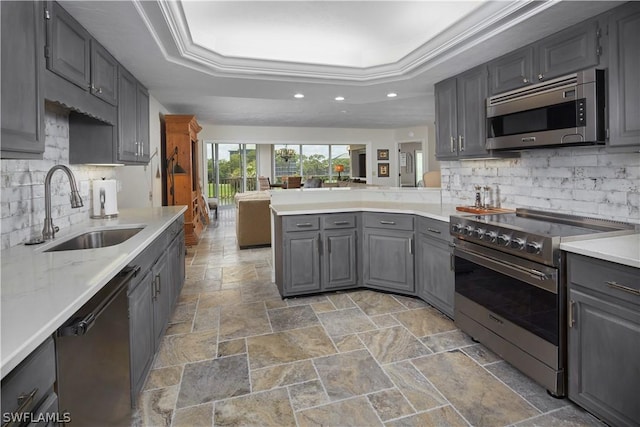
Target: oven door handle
(542, 280)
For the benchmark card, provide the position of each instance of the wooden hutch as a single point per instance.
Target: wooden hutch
(183, 185)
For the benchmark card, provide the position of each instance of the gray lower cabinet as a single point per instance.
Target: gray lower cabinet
(624, 90)
(28, 388)
(604, 339)
(152, 297)
(302, 265)
(141, 332)
(435, 275)
(387, 252)
(23, 66)
(319, 252)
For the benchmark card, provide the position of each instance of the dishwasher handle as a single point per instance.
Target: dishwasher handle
(79, 327)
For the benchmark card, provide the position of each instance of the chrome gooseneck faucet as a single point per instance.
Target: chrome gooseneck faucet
(49, 230)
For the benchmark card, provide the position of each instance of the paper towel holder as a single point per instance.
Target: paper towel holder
(103, 198)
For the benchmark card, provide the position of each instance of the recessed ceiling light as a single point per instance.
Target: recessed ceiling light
(339, 98)
(299, 95)
(392, 95)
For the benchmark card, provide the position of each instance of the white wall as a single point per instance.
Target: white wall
(141, 185)
(582, 181)
(373, 138)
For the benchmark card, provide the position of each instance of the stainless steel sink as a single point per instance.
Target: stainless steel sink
(96, 239)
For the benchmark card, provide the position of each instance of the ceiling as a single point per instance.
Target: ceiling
(242, 62)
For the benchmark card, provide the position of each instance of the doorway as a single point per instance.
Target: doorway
(231, 169)
(410, 164)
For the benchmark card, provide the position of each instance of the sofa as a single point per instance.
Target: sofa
(253, 219)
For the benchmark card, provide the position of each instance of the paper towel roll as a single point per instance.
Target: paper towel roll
(105, 192)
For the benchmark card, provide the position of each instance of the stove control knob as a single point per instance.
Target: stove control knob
(491, 236)
(518, 243)
(534, 247)
(468, 230)
(456, 228)
(504, 239)
(479, 233)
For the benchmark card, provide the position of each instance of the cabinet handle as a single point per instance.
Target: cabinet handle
(453, 144)
(460, 143)
(304, 224)
(452, 264)
(387, 222)
(615, 285)
(433, 230)
(137, 148)
(328, 246)
(411, 246)
(24, 400)
(540, 76)
(340, 222)
(571, 314)
(319, 246)
(525, 80)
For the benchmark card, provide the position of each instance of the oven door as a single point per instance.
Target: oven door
(515, 299)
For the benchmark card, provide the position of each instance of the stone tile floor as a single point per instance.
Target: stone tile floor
(236, 354)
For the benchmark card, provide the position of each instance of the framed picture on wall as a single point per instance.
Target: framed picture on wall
(383, 154)
(383, 170)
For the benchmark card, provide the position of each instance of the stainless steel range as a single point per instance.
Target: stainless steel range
(510, 285)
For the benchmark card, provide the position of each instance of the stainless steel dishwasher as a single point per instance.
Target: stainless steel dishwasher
(92, 351)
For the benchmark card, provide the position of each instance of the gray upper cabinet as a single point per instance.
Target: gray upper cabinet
(460, 115)
(624, 90)
(604, 338)
(104, 74)
(511, 71)
(22, 41)
(68, 49)
(567, 51)
(133, 120)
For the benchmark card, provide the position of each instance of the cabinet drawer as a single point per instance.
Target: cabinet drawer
(34, 376)
(301, 223)
(391, 221)
(433, 228)
(339, 221)
(617, 280)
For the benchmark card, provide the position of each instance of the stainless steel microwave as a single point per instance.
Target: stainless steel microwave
(568, 110)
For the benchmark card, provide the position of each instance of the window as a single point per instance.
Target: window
(308, 161)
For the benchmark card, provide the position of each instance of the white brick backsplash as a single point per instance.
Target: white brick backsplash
(584, 181)
(22, 185)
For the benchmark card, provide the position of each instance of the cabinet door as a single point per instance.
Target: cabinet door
(388, 259)
(161, 296)
(142, 123)
(511, 71)
(22, 64)
(567, 51)
(603, 343)
(68, 47)
(141, 331)
(340, 259)
(446, 119)
(302, 262)
(176, 265)
(435, 273)
(127, 117)
(472, 94)
(624, 90)
(104, 74)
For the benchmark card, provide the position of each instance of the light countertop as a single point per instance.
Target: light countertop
(621, 249)
(41, 290)
(430, 210)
